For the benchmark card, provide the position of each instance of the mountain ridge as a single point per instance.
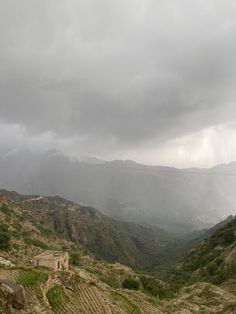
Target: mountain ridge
(139, 246)
(179, 200)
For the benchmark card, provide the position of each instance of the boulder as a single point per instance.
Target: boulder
(6, 294)
(12, 294)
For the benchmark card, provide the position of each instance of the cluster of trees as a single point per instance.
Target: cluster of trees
(130, 283)
(155, 287)
(5, 237)
(150, 285)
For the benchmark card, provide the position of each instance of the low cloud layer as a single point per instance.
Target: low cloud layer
(119, 79)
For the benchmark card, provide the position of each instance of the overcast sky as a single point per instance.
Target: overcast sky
(148, 80)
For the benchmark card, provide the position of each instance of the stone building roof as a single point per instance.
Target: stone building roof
(51, 254)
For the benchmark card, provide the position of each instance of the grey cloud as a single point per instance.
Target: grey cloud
(117, 73)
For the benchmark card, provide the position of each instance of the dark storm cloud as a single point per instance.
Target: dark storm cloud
(118, 72)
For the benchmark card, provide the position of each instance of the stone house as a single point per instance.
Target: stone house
(56, 260)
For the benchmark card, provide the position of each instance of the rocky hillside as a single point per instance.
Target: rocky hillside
(175, 199)
(142, 247)
(91, 285)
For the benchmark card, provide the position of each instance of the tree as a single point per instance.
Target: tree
(156, 288)
(130, 284)
(5, 237)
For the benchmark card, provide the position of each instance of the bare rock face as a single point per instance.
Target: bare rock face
(12, 294)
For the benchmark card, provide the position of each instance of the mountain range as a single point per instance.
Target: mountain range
(178, 200)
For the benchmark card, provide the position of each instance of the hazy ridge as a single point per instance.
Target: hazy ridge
(178, 200)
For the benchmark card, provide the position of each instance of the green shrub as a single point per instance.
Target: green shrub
(5, 237)
(130, 283)
(75, 258)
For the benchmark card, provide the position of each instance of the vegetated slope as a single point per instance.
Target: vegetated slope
(213, 260)
(142, 247)
(66, 292)
(177, 200)
(91, 286)
(190, 240)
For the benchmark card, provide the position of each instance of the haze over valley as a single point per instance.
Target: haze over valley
(177, 200)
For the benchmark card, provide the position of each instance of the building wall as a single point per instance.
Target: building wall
(44, 262)
(52, 262)
(65, 261)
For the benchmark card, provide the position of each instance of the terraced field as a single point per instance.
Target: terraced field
(148, 308)
(60, 302)
(9, 274)
(125, 304)
(90, 299)
(31, 281)
(145, 304)
(80, 298)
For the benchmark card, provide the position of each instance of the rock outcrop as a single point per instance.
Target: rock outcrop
(12, 294)
(5, 262)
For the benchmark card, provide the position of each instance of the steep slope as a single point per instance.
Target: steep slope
(190, 240)
(178, 200)
(142, 247)
(91, 285)
(80, 290)
(213, 260)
